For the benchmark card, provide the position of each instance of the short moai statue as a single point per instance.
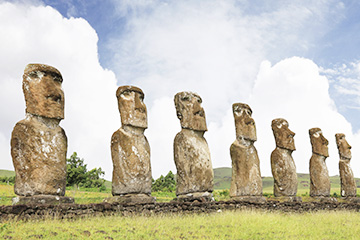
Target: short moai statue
(38, 143)
(130, 150)
(282, 163)
(246, 183)
(348, 184)
(319, 176)
(191, 152)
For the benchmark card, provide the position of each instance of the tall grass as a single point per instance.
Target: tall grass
(224, 225)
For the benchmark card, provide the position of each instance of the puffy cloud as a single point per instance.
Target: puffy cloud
(38, 34)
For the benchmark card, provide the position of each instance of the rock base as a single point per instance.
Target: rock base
(288, 199)
(195, 196)
(323, 199)
(42, 199)
(252, 199)
(131, 198)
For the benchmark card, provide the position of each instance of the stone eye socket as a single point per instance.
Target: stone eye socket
(126, 93)
(199, 100)
(186, 98)
(141, 97)
(33, 75)
(317, 134)
(279, 125)
(56, 77)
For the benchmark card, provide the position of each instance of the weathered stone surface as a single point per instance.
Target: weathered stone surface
(38, 143)
(130, 150)
(131, 198)
(282, 164)
(191, 151)
(319, 175)
(348, 184)
(246, 176)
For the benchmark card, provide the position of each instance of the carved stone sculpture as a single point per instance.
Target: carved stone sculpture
(246, 176)
(319, 175)
(191, 152)
(130, 150)
(38, 143)
(282, 164)
(348, 184)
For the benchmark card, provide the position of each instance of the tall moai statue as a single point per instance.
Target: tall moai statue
(348, 184)
(246, 183)
(38, 143)
(319, 176)
(282, 163)
(130, 150)
(191, 152)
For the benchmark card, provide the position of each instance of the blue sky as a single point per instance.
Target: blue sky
(292, 59)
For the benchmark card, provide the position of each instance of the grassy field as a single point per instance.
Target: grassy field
(223, 225)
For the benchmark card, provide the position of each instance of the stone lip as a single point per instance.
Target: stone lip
(42, 199)
(195, 196)
(251, 199)
(73, 211)
(131, 198)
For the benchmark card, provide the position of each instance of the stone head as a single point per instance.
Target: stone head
(318, 142)
(244, 123)
(284, 137)
(131, 106)
(44, 96)
(189, 111)
(343, 146)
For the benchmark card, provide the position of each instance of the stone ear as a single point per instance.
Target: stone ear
(179, 115)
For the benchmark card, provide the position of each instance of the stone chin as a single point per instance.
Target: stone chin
(197, 124)
(289, 144)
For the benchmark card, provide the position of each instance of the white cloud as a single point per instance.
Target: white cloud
(41, 35)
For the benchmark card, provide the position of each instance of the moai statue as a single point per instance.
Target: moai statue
(130, 150)
(282, 164)
(348, 184)
(191, 152)
(38, 143)
(246, 183)
(319, 175)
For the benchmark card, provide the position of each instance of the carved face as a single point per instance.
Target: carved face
(43, 93)
(343, 146)
(189, 111)
(132, 107)
(284, 137)
(244, 123)
(318, 142)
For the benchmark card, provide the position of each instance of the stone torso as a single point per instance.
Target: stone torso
(319, 176)
(193, 163)
(131, 160)
(38, 151)
(284, 172)
(246, 176)
(348, 184)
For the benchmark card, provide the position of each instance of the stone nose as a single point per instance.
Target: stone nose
(324, 140)
(139, 105)
(248, 119)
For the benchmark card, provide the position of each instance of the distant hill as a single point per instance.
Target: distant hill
(7, 173)
(222, 180)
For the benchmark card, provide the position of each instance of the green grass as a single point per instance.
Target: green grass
(224, 225)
